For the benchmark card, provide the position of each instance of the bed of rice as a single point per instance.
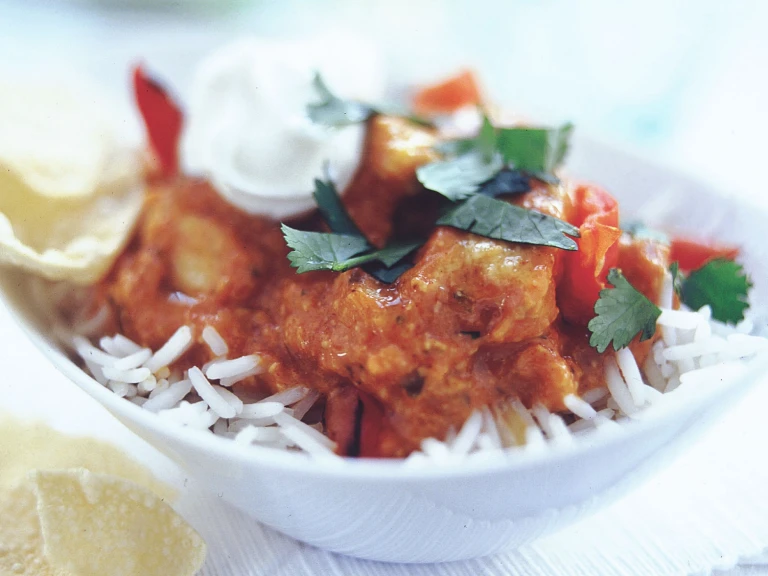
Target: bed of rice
(692, 350)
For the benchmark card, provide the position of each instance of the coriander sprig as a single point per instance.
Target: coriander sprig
(622, 312)
(345, 247)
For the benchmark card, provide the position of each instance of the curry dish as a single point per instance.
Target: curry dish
(475, 322)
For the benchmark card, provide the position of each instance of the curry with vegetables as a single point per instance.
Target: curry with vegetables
(450, 275)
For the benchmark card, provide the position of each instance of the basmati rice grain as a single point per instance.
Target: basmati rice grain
(162, 385)
(689, 351)
(653, 373)
(703, 332)
(303, 406)
(595, 395)
(467, 436)
(227, 382)
(231, 368)
(133, 376)
(651, 393)
(309, 443)
(233, 400)
(146, 386)
(167, 399)
(214, 341)
(122, 389)
(89, 352)
(289, 422)
(172, 350)
(436, 451)
(119, 345)
(579, 407)
(217, 403)
(96, 372)
(252, 434)
(261, 410)
(631, 375)
(210, 363)
(133, 360)
(681, 319)
(289, 396)
(618, 388)
(542, 416)
(489, 427)
(138, 400)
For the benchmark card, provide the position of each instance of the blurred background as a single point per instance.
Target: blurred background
(683, 81)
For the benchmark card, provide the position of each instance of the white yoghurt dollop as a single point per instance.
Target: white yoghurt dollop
(247, 128)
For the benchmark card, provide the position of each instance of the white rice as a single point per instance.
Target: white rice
(133, 376)
(693, 351)
(232, 368)
(261, 409)
(169, 397)
(214, 341)
(215, 400)
(171, 350)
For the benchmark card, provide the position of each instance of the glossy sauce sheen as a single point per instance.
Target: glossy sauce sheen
(474, 323)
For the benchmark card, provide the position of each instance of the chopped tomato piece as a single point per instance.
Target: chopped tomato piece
(585, 271)
(162, 119)
(693, 254)
(448, 96)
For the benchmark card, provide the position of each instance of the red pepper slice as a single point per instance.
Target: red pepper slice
(448, 96)
(585, 271)
(163, 120)
(693, 254)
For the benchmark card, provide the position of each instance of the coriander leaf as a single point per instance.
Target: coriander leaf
(677, 278)
(333, 111)
(534, 149)
(497, 219)
(723, 285)
(333, 211)
(506, 182)
(391, 261)
(460, 177)
(321, 251)
(622, 313)
(393, 253)
(486, 142)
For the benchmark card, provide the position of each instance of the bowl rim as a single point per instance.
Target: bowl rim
(394, 470)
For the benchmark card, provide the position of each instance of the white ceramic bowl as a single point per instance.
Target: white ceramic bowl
(384, 511)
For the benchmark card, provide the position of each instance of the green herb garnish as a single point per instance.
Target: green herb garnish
(322, 251)
(337, 112)
(334, 111)
(344, 247)
(461, 177)
(721, 284)
(333, 211)
(503, 221)
(494, 163)
(534, 149)
(622, 313)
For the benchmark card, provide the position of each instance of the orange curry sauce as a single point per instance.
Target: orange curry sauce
(474, 323)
